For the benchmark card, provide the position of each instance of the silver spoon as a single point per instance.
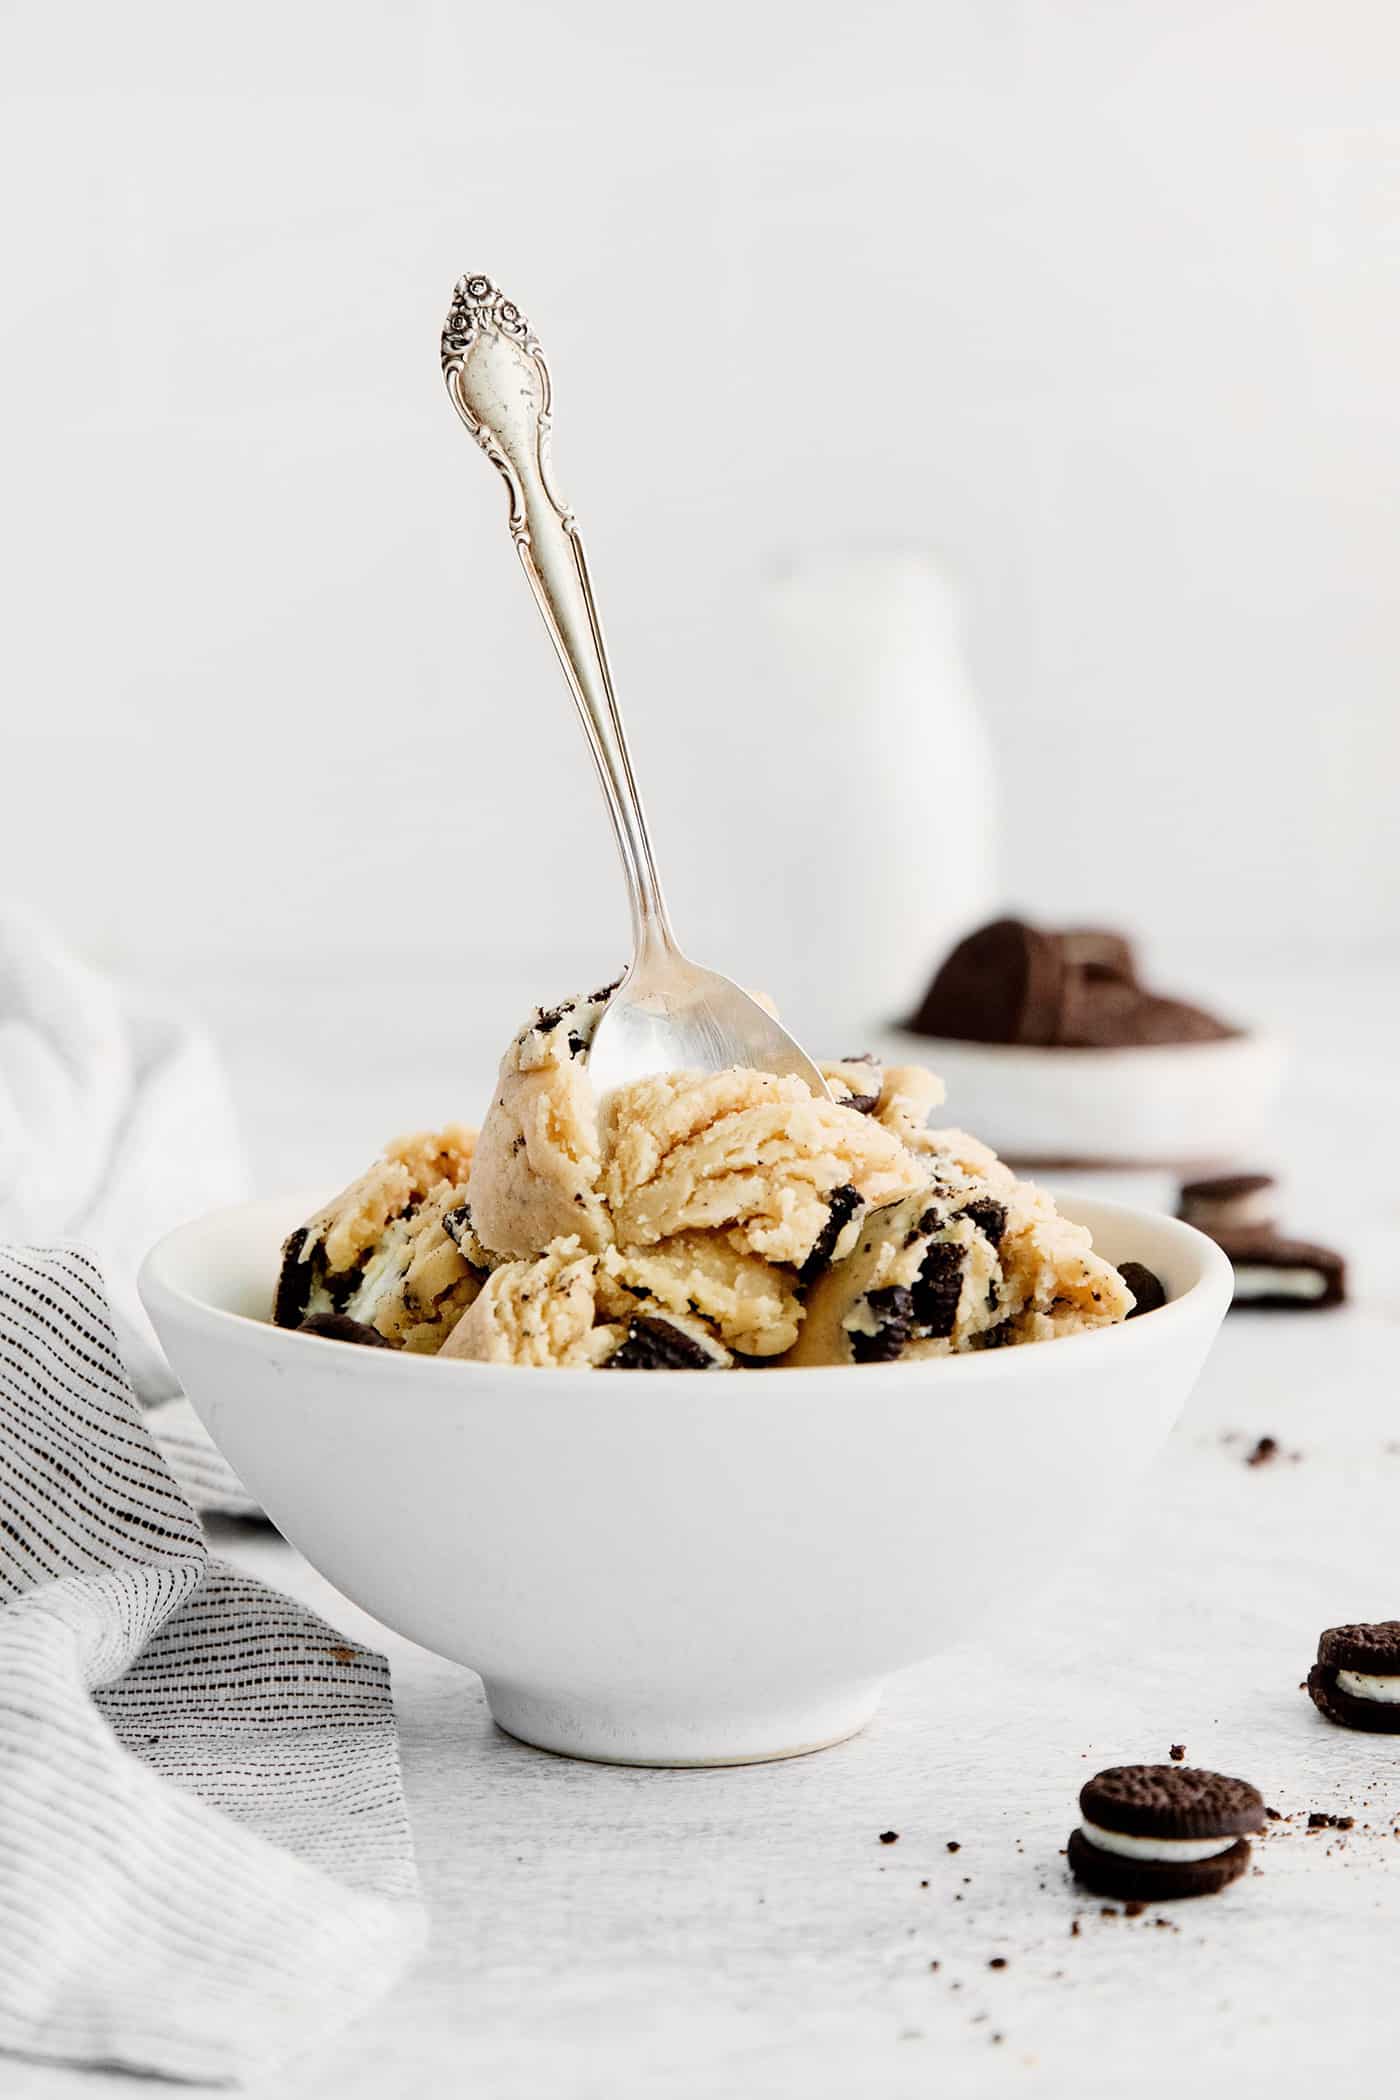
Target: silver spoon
(667, 1015)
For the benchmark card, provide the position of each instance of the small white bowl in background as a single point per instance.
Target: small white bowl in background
(1178, 1104)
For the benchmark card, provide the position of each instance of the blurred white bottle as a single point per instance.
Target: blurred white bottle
(900, 764)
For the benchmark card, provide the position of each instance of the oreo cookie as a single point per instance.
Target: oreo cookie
(1099, 953)
(662, 1345)
(1278, 1275)
(1002, 984)
(1153, 1832)
(1106, 1014)
(1229, 1203)
(1356, 1678)
(1074, 990)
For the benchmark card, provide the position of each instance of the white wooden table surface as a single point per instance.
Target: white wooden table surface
(605, 1934)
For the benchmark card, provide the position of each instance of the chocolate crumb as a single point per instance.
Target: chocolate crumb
(933, 1964)
(953, 1845)
(889, 1837)
(1074, 1928)
(1134, 1909)
(1264, 1450)
(1273, 1815)
(1178, 1751)
(998, 1961)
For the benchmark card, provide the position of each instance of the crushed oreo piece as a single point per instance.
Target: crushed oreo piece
(988, 1217)
(999, 1337)
(343, 1285)
(865, 1104)
(937, 1289)
(457, 1223)
(844, 1202)
(655, 1345)
(294, 1281)
(339, 1327)
(1149, 1295)
(602, 998)
(577, 1045)
(893, 1308)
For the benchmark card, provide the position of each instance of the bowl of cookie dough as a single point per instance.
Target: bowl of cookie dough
(670, 1568)
(875, 1386)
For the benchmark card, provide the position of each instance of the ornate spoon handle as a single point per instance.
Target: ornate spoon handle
(499, 383)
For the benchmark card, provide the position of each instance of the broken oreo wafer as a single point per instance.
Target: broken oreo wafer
(664, 1345)
(1152, 1832)
(1278, 1275)
(1229, 1203)
(339, 1327)
(1356, 1678)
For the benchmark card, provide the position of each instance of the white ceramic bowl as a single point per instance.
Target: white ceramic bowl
(660, 1567)
(1175, 1104)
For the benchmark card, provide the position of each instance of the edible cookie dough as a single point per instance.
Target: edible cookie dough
(695, 1221)
(392, 1253)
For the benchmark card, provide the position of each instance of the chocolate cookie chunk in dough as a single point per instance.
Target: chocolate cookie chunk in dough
(1151, 1832)
(1278, 1275)
(1149, 1295)
(1003, 984)
(1230, 1203)
(1356, 1678)
(339, 1327)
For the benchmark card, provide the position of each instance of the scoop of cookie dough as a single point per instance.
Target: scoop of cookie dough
(977, 1260)
(394, 1251)
(693, 1221)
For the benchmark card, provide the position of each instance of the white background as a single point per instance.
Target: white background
(1099, 301)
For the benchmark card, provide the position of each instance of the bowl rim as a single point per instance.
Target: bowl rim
(1244, 1043)
(1213, 1283)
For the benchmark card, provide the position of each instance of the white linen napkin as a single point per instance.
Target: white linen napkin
(205, 1862)
(115, 1125)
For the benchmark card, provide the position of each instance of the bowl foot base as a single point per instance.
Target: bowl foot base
(612, 1733)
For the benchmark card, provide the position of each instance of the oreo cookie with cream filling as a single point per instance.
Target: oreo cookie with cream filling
(1229, 1202)
(1356, 1678)
(1150, 1833)
(1279, 1275)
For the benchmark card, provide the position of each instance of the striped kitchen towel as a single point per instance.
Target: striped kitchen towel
(205, 1861)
